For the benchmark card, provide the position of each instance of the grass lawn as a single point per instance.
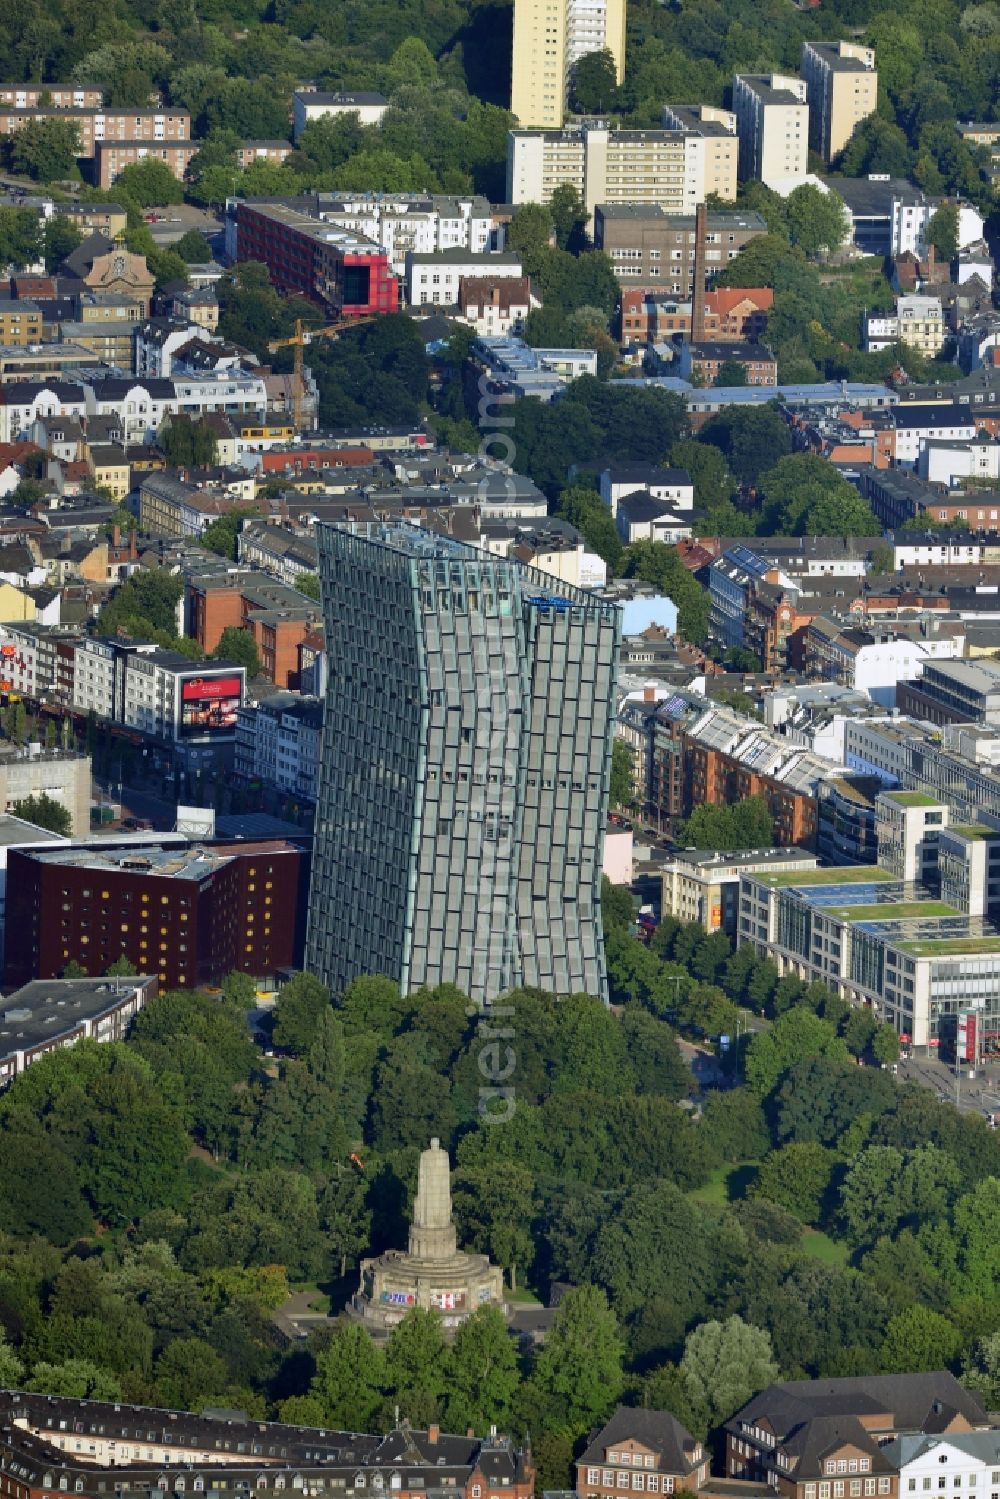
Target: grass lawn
(726, 1184)
(821, 1247)
(523, 1297)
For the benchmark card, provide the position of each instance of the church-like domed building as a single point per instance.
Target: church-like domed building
(433, 1273)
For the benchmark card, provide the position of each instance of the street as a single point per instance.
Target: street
(980, 1094)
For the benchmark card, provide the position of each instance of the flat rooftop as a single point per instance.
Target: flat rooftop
(48, 1008)
(196, 861)
(974, 830)
(16, 831)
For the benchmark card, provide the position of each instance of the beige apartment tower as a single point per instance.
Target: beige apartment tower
(842, 89)
(550, 37)
(674, 169)
(772, 120)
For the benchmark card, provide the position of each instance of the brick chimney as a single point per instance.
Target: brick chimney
(433, 1432)
(698, 290)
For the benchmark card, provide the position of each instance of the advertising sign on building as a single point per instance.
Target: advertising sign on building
(209, 705)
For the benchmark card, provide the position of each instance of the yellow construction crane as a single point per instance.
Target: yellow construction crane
(298, 341)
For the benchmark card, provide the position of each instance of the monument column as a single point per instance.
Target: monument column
(432, 1233)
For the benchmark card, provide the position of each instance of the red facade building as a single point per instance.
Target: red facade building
(347, 273)
(186, 913)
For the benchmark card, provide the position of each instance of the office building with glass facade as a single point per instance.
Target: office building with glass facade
(465, 769)
(917, 963)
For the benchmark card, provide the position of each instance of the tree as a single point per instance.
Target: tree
(150, 183)
(569, 217)
(11, 1367)
(76, 1379)
(578, 1374)
(796, 1177)
(942, 232)
(60, 237)
(221, 535)
(747, 825)
(817, 220)
(187, 443)
(45, 149)
(585, 509)
(45, 812)
(302, 1002)
(750, 440)
(20, 246)
(724, 1363)
(484, 1373)
(795, 1037)
(918, 1339)
(980, 1369)
(531, 233)
(194, 248)
(238, 645)
(593, 82)
(731, 372)
(189, 1372)
(416, 1366)
(308, 583)
(350, 1379)
(622, 788)
(655, 562)
(882, 560)
(885, 1045)
(121, 968)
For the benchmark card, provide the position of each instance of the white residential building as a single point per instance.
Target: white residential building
(674, 486)
(967, 1462)
(772, 119)
(912, 214)
(435, 279)
(22, 404)
(948, 462)
(278, 741)
(313, 104)
(917, 322)
(417, 222)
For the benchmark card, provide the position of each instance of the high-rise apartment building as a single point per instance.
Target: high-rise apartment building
(842, 89)
(676, 169)
(772, 121)
(550, 37)
(466, 760)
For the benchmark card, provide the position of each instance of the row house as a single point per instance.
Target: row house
(278, 741)
(728, 758)
(55, 95)
(96, 125)
(50, 1444)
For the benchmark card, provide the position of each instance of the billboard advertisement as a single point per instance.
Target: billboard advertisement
(209, 704)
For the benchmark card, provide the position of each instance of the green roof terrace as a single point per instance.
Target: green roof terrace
(975, 830)
(891, 910)
(844, 874)
(911, 798)
(949, 947)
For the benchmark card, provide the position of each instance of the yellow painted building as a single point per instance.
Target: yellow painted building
(15, 605)
(550, 37)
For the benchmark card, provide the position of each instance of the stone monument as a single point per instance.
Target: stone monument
(432, 1273)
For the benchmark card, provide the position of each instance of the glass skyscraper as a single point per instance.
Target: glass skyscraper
(465, 766)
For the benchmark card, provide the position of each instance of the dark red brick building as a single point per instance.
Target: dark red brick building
(345, 272)
(186, 913)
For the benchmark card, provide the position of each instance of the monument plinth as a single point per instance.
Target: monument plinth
(433, 1272)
